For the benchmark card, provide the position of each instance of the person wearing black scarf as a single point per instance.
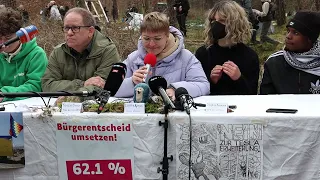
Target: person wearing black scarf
(296, 69)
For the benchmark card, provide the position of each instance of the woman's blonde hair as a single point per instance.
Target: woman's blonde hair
(155, 22)
(238, 27)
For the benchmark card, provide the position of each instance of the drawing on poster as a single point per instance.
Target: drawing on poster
(220, 151)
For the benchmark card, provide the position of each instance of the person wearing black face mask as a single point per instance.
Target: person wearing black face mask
(218, 30)
(231, 67)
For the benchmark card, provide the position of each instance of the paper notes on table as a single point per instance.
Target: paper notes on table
(134, 108)
(216, 108)
(71, 108)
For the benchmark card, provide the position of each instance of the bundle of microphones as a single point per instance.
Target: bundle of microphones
(156, 84)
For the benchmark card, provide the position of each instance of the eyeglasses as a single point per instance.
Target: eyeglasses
(74, 29)
(147, 39)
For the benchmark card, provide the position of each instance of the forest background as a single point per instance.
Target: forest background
(50, 33)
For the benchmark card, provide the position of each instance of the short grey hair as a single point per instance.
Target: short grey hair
(87, 17)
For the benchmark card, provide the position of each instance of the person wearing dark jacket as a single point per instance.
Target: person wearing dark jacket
(296, 69)
(182, 8)
(266, 17)
(84, 61)
(231, 67)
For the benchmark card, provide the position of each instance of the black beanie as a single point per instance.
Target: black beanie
(307, 23)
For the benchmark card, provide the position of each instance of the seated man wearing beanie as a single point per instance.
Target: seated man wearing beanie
(295, 69)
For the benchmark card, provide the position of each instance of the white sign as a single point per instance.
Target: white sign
(135, 108)
(96, 148)
(220, 151)
(216, 108)
(70, 107)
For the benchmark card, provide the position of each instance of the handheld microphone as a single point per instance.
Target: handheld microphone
(183, 96)
(158, 85)
(150, 60)
(113, 83)
(24, 35)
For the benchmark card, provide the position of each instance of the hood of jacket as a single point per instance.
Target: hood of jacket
(26, 48)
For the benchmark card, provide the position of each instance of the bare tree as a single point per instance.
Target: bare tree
(299, 5)
(280, 12)
(145, 5)
(115, 9)
(9, 3)
(317, 2)
(171, 13)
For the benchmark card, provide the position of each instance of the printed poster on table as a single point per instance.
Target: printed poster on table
(11, 140)
(96, 149)
(220, 151)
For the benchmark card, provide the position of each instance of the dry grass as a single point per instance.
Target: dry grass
(51, 34)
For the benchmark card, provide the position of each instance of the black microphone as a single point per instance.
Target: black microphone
(158, 85)
(115, 78)
(183, 96)
(112, 85)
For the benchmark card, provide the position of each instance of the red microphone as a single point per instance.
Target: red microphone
(150, 60)
(24, 35)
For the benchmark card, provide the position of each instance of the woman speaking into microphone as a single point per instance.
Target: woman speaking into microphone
(161, 52)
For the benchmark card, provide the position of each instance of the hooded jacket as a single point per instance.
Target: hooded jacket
(23, 72)
(68, 73)
(280, 77)
(180, 69)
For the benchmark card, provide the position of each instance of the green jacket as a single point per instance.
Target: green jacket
(24, 71)
(67, 73)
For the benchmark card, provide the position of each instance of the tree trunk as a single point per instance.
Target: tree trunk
(209, 4)
(115, 14)
(145, 6)
(280, 13)
(9, 3)
(317, 5)
(171, 12)
(299, 5)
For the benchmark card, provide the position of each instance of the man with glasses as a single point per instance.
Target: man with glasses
(21, 65)
(84, 61)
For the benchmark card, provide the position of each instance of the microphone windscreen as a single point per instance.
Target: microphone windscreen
(141, 93)
(180, 91)
(115, 78)
(150, 59)
(27, 34)
(155, 82)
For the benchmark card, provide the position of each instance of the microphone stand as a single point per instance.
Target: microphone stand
(165, 159)
(47, 94)
(102, 99)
